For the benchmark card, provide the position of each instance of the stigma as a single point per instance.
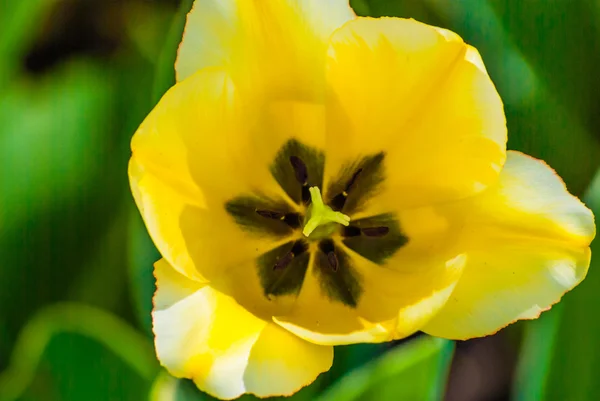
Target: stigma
(321, 219)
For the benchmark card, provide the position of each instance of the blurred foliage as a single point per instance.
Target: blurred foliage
(415, 371)
(76, 79)
(64, 337)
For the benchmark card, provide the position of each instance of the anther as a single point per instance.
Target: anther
(333, 261)
(375, 231)
(269, 214)
(298, 248)
(299, 169)
(352, 181)
(338, 201)
(284, 261)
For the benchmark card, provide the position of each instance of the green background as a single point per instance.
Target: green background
(76, 79)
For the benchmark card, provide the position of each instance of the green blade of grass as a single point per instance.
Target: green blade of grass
(102, 327)
(413, 371)
(165, 69)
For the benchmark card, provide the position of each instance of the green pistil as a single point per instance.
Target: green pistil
(321, 215)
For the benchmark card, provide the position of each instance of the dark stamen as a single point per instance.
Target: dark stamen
(298, 248)
(339, 280)
(381, 237)
(356, 183)
(281, 270)
(291, 219)
(328, 248)
(284, 261)
(338, 201)
(333, 261)
(269, 214)
(351, 231)
(299, 169)
(375, 231)
(353, 179)
(260, 215)
(296, 163)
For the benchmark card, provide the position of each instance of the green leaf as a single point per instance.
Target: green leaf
(53, 134)
(169, 388)
(360, 7)
(560, 40)
(165, 69)
(560, 355)
(401, 8)
(416, 370)
(104, 267)
(71, 352)
(142, 255)
(55, 182)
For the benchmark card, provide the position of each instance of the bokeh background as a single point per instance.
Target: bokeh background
(76, 79)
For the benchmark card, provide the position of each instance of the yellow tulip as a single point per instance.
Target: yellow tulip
(316, 179)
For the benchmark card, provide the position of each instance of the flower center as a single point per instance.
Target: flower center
(328, 235)
(321, 220)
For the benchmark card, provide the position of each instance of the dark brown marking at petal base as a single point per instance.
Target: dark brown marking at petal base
(284, 261)
(298, 167)
(291, 219)
(380, 238)
(269, 214)
(333, 261)
(356, 183)
(282, 270)
(261, 216)
(341, 284)
(376, 231)
(353, 179)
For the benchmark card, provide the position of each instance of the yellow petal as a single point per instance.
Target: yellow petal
(282, 363)
(197, 240)
(206, 336)
(527, 242)
(276, 45)
(199, 149)
(161, 208)
(195, 137)
(180, 179)
(419, 94)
